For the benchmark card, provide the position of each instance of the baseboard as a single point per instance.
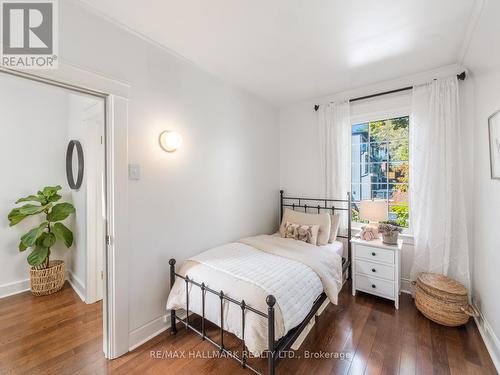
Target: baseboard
(490, 340)
(406, 286)
(146, 332)
(77, 285)
(15, 287)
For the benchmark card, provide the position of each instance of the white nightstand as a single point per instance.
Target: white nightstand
(376, 268)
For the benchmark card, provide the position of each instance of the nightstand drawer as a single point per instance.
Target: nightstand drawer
(364, 267)
(376, 254)
(375, 286)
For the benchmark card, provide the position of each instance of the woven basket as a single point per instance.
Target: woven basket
(442, 300)
(47, 280)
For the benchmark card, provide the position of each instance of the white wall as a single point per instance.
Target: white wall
(486, 260)
(82, 113)
(483, 58)
(221, 185)
(32, 149)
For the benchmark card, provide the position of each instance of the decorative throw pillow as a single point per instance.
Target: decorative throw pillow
(301, 232)
(302, 218)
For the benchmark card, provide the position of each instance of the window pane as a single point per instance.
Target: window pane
(359, 153)
(370, 191)
(400, 214)
(379, 186)
(378, 172)
(356, 192)
(361, 192)
(355, 214)
(388, 130)
(355, 173)
(359, 173)
(398, 150)
(359, 133)
(379, 131)
(378, 152)
(399, 127)
(399, 193)
(398, 172)
(379, 191)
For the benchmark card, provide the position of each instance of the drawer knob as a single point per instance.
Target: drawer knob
(374, 253)
(374, 286)
(374, 270)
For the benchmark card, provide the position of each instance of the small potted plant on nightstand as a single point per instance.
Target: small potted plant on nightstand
(47, 276)
(390, 230)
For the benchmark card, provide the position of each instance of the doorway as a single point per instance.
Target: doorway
(40, 121)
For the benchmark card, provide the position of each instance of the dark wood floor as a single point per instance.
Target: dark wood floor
(61, 335)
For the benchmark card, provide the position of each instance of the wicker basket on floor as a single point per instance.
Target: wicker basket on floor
(442, 300)
(47, 280)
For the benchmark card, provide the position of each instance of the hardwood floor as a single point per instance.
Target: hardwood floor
(62, 335)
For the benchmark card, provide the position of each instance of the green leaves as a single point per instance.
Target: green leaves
(22, 246)
(19, 214)
(32, 209)
(49, 191)
(32, 198)
(15, 217)
(47, 195)
(60, 212)
(63, 234)
(29, 239)
(54, 198)
(38, 256)
(45, 235)
(46, 240)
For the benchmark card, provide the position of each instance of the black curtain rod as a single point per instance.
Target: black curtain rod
(460, 76)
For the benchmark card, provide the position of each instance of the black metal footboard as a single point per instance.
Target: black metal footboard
(270, 300)
(275, 350)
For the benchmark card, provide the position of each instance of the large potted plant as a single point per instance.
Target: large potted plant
(46, 276)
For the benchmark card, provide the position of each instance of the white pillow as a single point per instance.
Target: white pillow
(334, 229)
(323, 220)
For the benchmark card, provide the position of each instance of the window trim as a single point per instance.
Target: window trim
(381, 115)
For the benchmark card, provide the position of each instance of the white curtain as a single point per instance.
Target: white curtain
(335, 149)
(437, 202)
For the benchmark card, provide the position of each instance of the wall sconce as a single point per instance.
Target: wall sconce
(170, 141)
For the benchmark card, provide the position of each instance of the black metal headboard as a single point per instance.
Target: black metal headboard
(318, 205)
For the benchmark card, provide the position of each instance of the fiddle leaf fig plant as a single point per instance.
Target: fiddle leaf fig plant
(44, 236)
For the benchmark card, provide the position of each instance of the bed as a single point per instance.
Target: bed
(264, 289)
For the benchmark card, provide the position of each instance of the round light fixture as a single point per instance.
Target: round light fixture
(170, 141)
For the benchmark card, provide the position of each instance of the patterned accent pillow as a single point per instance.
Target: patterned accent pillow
(301, 232)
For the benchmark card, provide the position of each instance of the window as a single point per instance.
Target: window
(380, 169)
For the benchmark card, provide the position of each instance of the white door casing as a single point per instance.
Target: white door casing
(96, 210)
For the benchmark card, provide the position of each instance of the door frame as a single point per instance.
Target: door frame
(96, 201)
(116, 94)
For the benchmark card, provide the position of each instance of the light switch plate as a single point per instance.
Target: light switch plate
(134, 172)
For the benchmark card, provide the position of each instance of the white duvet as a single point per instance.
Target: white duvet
(295, 272)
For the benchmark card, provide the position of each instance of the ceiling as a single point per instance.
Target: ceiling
(289, 50)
